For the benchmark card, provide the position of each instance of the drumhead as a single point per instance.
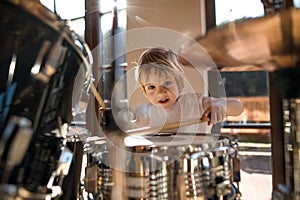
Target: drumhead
(167, 139)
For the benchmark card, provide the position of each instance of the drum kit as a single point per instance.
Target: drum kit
(44, 157)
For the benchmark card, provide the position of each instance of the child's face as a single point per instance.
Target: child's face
(162, 94)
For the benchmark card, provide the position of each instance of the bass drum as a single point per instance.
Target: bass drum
(40, 59)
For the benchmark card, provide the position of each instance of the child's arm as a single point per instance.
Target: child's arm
(218, 108)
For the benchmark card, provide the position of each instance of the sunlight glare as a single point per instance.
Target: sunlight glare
(230, 10)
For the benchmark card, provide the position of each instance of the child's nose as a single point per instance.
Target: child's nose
(161, 90)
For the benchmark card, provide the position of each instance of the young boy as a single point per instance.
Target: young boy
(161, 78)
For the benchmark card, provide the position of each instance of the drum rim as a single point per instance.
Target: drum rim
(217, 143)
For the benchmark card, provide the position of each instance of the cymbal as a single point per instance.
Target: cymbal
(271, 42)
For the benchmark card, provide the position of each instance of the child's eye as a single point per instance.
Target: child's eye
(167, 83)
(151, 87)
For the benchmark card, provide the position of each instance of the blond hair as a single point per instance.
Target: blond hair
(163, 63)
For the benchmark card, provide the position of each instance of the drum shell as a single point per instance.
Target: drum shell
(205, 171)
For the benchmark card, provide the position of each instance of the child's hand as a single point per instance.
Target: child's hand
(216, 113)
(206, 116)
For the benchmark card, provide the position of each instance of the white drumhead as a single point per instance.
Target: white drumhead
(167, 139)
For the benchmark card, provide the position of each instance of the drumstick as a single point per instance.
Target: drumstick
(147, 130)
(97, 95)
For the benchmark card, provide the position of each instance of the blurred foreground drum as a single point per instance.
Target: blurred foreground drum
(41, 59)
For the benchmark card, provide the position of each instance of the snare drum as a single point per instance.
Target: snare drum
(181, 167)
(40, 59)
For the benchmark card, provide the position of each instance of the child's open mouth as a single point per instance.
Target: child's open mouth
(163, 101)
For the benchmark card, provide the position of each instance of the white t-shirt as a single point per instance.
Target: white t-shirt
(187, 107)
